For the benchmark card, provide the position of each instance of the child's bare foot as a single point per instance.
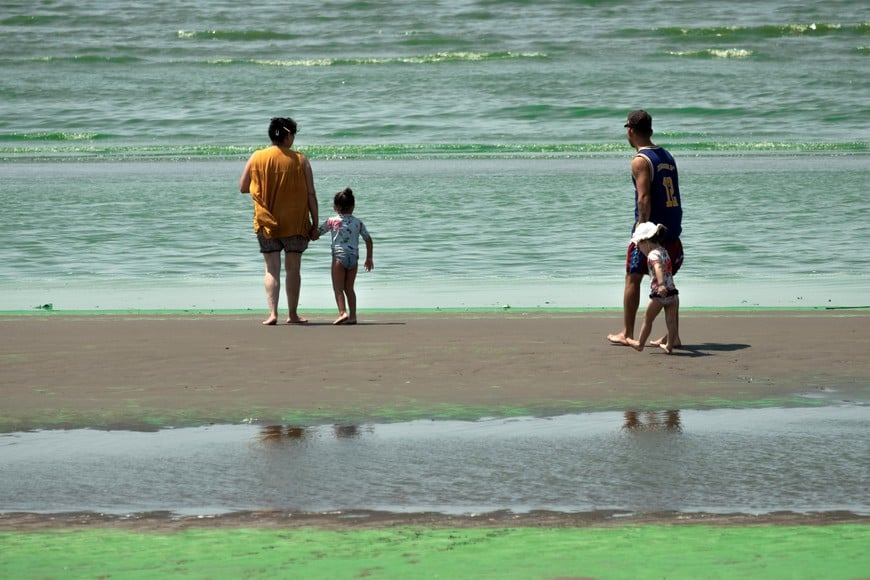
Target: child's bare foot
(297, 320)
(271, 321)
(342, 318)
(666, 347)
(634, 344)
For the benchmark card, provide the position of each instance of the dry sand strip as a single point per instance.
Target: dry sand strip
(70, 368)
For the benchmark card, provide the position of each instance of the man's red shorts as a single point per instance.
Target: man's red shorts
(635, 261)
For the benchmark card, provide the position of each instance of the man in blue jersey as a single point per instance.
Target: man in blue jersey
(657, 200)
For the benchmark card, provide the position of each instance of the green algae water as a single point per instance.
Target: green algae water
(484, 141)
(836, 551)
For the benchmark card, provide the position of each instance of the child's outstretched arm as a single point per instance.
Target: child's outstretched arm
(369, 261)
(659, 272)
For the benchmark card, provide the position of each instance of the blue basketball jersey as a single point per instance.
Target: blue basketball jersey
(665, 203)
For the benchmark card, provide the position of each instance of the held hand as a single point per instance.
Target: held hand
(369, 265)
(314, 234)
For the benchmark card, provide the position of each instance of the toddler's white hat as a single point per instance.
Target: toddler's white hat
(645, 231)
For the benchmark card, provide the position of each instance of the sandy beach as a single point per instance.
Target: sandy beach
(130, 371)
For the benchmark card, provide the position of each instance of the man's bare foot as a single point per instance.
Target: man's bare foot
(351, 321)
(634, 344)
(618, 338)
(659, 341)
(271, 321)
(666, 347)
(297, 320)
(664, 340)
(342, 318)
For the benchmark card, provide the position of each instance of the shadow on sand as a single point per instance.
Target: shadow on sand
(707, 349)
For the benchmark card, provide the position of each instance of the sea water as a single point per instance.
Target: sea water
(483, 140)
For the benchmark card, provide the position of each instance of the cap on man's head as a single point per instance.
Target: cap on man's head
(640, 120)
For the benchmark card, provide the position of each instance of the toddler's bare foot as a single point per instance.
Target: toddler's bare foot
(666, 347)
(342, 318)
(634, 344)
(271, 321)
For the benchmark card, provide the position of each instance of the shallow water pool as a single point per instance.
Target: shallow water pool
(718, 461)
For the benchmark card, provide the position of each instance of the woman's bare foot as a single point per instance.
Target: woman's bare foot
(634, 344)
(342, 318)
(618, 338)
(271, 321)
(666, 347)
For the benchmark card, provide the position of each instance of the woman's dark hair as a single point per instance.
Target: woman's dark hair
(344, 200)
(280, 127)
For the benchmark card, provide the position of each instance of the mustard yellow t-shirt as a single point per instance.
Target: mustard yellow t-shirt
(280, 193)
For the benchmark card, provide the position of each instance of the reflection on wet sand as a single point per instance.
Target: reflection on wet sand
(346, 431)
(278, 433)
(634, 421)
(653, 421)
(281, 433)
(711, 461)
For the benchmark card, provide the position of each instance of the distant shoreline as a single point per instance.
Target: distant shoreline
(452, 311)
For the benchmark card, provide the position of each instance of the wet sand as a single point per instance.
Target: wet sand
(145, 371)
(136, 371)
